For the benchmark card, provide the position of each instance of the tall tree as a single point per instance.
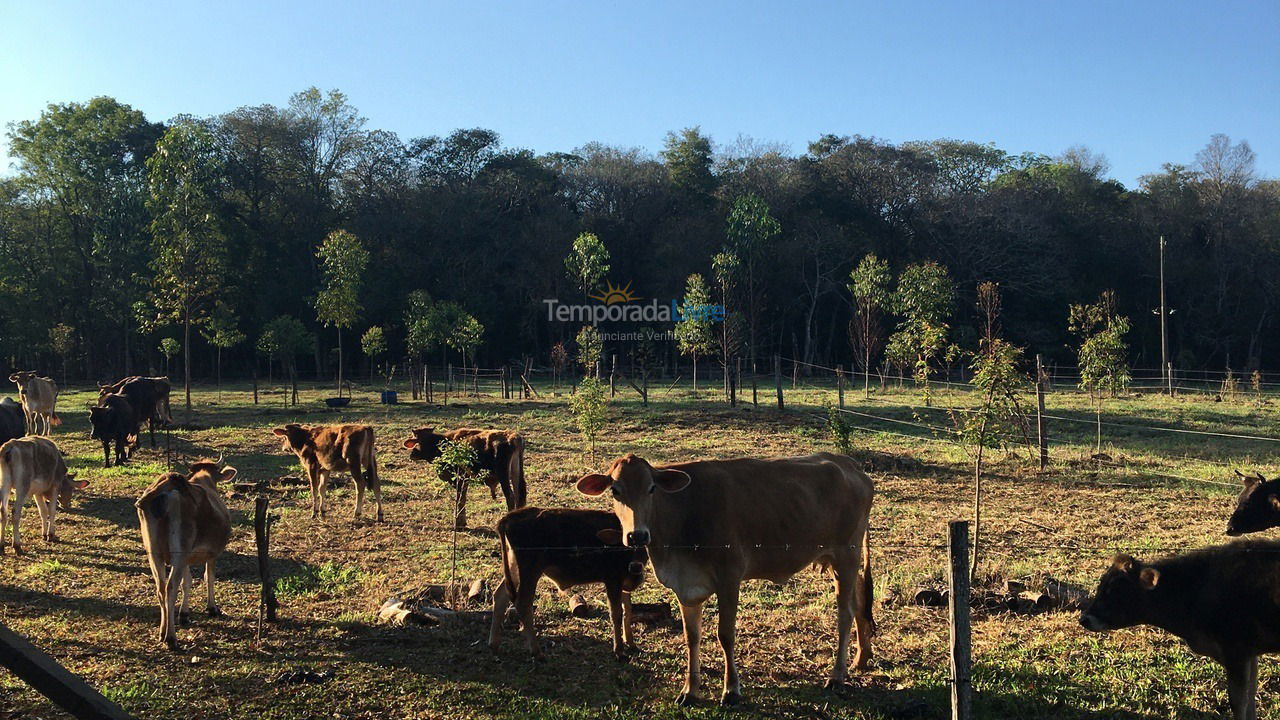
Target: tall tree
(344, 261)
(923, 298)
(869, 286)
(588, 262)
(687, 155)
(695, 329)
(189, 246)
(751, 230)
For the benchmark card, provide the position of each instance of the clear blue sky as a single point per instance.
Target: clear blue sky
(1142, 82)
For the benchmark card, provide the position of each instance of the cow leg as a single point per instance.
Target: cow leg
(501, 601)
(122, 455)
(4, 507)
(691, 614)
(524, 607)
(314, 478)
(178, 575)
(614, 592)
(375, 484)
(726, 632)
(1242, 687)
(209, 604)
(184, 614)
(49, 517)
(20, 499)
(323, 487)
(151, 428)
(845, 569)
(357, 476)
(106, 453)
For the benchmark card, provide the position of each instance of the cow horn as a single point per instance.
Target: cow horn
(220, 454)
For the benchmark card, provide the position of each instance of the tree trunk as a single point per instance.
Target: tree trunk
(339, 361)
(695, 374)
(186, 359)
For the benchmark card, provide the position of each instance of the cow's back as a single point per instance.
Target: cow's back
(773, 517)
(333, 444)
(12, 423)
(1230, 592)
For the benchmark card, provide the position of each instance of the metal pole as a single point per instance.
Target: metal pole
(961, 689)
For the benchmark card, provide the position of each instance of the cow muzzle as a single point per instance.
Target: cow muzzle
(638, 538)
(1092, 623)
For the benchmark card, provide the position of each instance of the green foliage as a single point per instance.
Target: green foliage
(170, 347)
(695, 331)
(466, 335)
(868, 285)
(751, 227)
(285, 337)
(590, 407)
(328, 578)
(687, 155)
(1103, 352)
(590, 347)
(432, 325)
(62, 339)
(456, 461)
(839, 430)
(343, 260)
(999, 419)
(587, 262)
(373, 343)
(222, 330)
(923, 298)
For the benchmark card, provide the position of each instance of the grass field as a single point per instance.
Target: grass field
(88, 600)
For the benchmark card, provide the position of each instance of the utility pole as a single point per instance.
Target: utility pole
(1165, 367)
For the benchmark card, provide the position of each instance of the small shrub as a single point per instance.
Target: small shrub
(328, 578)
(839, 430)
(589, 405)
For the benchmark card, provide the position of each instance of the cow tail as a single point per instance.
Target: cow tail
(6, 484)
(515, 470)
(865, 589)
(509, 574)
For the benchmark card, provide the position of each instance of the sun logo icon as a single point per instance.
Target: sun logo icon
(613, 294)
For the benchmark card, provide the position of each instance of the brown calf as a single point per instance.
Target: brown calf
(327, 449)
(184, 523)
(33, 466)
(499, 454)
(572, 547)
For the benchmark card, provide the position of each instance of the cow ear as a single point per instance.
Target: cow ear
(279, 432)
(1122, 562)
(1273, 501)
(13, 378)
(671, 481)
(411, 443)
(79, 484)
(1248, 480)
(594, 484)
(228, 474)
(609, 536)
(1148, 578)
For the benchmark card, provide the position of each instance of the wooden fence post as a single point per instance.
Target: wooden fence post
(958, 580)
(1041, 438)
(55, 682)
(262, 537)
(613, 377)
(777, 378)
(737, 382)
(755, 398)
(840, 384)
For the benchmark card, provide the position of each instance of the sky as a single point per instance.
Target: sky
(1141, 82)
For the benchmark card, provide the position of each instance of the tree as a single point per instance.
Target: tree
(465, 336)
(374, 345)
(695, 329)
(189, 246)
(1103, 352)
(590, 407)
(338, 304)
(590, 346)
(923, 299)
(869, 286)
(62, 340)
(726, 267)
(750, 230)
(688, 158)
(588, 262)
(285, 337)
(169, 347)
(222, 332)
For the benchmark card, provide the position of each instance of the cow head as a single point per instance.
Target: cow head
(1258, 506)
(425, 444)
(293, 437)
(21, 378)
(1122, 596)
(212, 470)
(101, 420)
(632, 482)
(639, 558)
(69, 485)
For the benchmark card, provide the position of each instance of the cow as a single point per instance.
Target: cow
(1257, 508)
(499, 455)
(114, 420)
(39, 396)
(33, 466)
(572, 547)
(149, 397)
(12, 422)
(709, 525)
(184, 522)
(326, 449)
(1224, 602)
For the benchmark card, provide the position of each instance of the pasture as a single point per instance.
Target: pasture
(88, 600)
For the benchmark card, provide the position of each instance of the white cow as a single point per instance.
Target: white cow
(33, 466)
(39, 396)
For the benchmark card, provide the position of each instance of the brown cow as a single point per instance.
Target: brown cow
(327, 449)
(39, 396)
(572, 547)
(710, 525)
(1223, 601)
(184, 523)
(149, 397)
(499, 454)
(33, 466)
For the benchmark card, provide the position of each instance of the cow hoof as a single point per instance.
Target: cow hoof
(834, 684)
(732, 699)
(686, 699)
(213, 611)
(184, 618)
(18, 550)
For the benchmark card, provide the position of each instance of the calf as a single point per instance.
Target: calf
(39, 396)
(1223, 601)
(334, 448)
(114, 420)
(33, 466)
(149, 397)
(572, 547)
(184, 523)
(12, 423)
(499, 455)
(1257, 508)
